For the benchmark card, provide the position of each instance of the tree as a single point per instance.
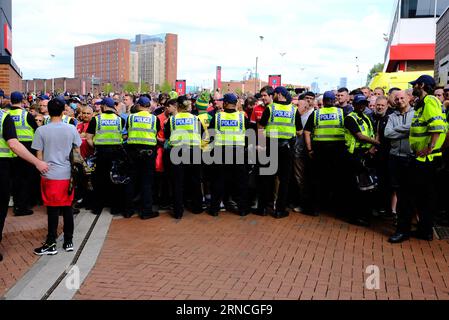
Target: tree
(108, 88)
(130, 87)
(166, 87)
(145, 88)
(376, 69)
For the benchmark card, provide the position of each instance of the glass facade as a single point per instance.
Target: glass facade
(423, 8)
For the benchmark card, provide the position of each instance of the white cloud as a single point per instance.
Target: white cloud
(321, 37)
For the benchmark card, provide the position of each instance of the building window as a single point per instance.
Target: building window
(423, 8)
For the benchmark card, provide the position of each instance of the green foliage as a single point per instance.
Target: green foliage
(130, 87)
(376, 69)
(166, 87)
(108, 88)
(145, 88)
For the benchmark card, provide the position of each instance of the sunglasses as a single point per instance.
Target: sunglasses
(38, 120)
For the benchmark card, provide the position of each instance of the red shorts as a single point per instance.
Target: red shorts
(55, 193)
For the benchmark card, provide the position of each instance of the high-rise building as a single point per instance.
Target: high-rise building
(108, 60)
(343, 83)
(315, 87)
(158, 58)
(134, 66)
(151, 56)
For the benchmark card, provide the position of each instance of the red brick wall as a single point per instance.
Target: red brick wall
(9, 79)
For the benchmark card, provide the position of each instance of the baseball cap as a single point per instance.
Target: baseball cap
(108, 102)
(16, 97)
(229, 98)
(76, 99)
(360, 98)
(426, 79)
(329, 95)
(281, 90)
(144, 101)
(44, 97)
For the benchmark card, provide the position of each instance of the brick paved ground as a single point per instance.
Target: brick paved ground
(20, 236)
(261, 258)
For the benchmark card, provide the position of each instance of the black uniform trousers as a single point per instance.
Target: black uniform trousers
(141, 168)
(284, 167)
(328, 174)
(24, 177)
(230, 179)
(186, 182)
(358, 204)
(417, 190)
(5, 183)
(105, 192)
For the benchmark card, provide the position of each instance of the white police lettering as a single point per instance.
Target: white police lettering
(184, 122)
(229, 123)
(328, 117)
(142, 120)
(108, 122)
(15, 118)
(282, 114)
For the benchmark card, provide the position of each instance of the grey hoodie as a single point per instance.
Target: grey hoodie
(398, 131)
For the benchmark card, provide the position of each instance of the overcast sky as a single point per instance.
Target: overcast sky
(321, 38)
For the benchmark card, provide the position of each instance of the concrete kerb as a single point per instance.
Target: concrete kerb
(35, 284)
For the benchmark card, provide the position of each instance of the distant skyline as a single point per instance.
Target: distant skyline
(304, 41)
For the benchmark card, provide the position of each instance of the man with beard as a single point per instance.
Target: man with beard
(427, 136)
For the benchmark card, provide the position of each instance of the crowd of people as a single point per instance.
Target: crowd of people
(358, 154)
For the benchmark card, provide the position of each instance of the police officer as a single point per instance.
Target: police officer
(427, 136)
(360, 142)
(9, 148)
(105, 135)
(282, 123)
(325, 141)
(22, 171)
(142, 130)
(228, 132)
(183, 132)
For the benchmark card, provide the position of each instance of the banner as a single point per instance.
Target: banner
(275, 81)
(218, 79)
(181, 87)
(7, 38)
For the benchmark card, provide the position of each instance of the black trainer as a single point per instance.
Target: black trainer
(46, 249)
(68, 246)
(22, 212)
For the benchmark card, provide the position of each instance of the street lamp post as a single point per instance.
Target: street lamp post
(257, 65)
(53, 78)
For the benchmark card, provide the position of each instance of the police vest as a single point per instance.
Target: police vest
(365, 127)
(5, 152)
(65, 119)
(142, 129)
(109, 130)
(25, 133)
(282, 122)
(329, 125)
(230, 129)
(427, 120)
(184, 130)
